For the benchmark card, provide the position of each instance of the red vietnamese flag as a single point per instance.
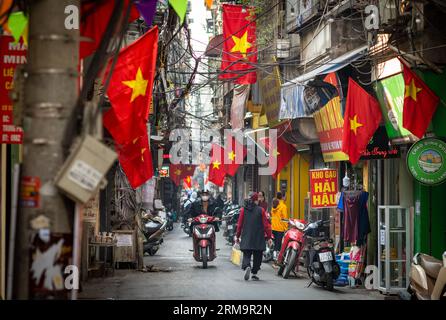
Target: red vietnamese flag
(281, 152)
(234, 154)
(130, 89)
(136, 161)
(188, 182)
(217, 172)
(361, 119)
(239, 48)
(180, 171)
(95, 17)
(420, 103)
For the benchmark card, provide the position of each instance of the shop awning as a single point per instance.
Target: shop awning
(215, 46)
(303, 96)
(331, 66)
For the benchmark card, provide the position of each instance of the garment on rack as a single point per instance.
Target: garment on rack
(364, 223)
(351, 215)
(356, 218)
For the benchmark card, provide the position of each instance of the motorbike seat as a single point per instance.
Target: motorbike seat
(431, 265)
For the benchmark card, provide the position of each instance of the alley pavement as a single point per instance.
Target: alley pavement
(178, 276)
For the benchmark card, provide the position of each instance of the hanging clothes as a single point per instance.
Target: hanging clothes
(356, 217)
(351, 215)
(364, 223)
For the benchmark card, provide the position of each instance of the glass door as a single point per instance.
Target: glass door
(394, 253)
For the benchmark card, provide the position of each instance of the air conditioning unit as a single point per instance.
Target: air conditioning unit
(283, 48)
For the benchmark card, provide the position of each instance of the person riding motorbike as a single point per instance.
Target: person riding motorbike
(203, 205)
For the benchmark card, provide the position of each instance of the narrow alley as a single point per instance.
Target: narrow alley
(181, 277)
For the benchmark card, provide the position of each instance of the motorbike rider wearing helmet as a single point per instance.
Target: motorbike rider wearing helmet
(202, 205)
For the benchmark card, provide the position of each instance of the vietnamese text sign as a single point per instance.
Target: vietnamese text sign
(323, 188)
(270, 88)
(12, 54)
(426, 161)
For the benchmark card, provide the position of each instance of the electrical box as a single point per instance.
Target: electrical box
(85, 168)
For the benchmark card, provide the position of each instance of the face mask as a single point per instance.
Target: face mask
(205, 198)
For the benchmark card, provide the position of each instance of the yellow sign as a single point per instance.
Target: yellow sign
(270, 87)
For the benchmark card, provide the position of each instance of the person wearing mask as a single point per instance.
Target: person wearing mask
(253, 228)
(203, 205)
(279, 212)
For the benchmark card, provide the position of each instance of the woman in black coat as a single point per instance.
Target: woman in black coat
(253, 227)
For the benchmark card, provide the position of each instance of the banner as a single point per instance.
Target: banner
(239, 100)
(329, 126)
(323, 188)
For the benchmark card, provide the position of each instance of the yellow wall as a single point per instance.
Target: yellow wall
(298, 185)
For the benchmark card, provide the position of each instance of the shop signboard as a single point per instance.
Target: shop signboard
(12, 55)
(323, 188)
(379, 147)
(270, 87)
(329, 126)
(426, 161)
(390, 94)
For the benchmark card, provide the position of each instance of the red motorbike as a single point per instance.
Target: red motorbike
(203, 238)
(292, 247)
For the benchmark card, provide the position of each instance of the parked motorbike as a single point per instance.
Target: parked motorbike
(154, 228)
(187, 228)
(231, 224)
(320, 259)
(170, 219)
(204, 238)
(289, 255)
(427, 278)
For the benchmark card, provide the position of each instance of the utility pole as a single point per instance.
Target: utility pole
(51, 92)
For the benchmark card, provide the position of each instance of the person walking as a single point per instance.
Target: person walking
(262, 201)
(279, 212)
(253, 228)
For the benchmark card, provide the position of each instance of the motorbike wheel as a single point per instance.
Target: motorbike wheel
(204, 256)
(280, 271)
(152, 251)
(329, 283)
(289, 264)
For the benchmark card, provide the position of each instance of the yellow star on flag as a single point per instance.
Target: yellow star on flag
(216, 164)
(142, 153)
(139, 85)
(241, 44)
(231, 155)
(178, 172)
(412, 90)
(275, 152)
(354, 124)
